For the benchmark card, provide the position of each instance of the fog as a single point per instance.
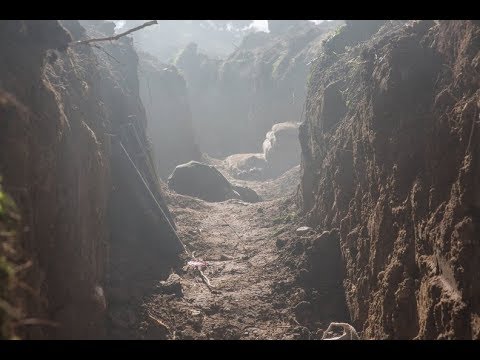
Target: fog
(217, 38)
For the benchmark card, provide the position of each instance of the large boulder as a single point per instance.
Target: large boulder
(281, 152)
(281, 148)
(206, 182)
(246, 166)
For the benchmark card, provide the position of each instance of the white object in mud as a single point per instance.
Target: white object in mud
(349, 332)
(303, 230)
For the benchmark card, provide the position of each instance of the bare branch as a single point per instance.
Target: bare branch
(118, 36)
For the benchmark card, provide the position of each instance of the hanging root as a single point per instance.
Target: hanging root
(205, 280)
(349, 332)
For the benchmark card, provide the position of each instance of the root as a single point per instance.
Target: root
(206, 280)
(349, 332)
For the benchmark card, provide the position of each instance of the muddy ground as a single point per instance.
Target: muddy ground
(256, 291)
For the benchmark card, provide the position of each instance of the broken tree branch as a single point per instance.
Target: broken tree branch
(118, 36)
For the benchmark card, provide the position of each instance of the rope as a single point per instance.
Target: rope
(165, 217)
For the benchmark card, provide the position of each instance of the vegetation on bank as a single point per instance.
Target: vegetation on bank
(8, 221)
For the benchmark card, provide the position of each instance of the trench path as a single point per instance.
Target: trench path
(237, 239)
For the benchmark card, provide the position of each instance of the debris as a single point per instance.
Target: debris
(158, 322)
(349, 332)
(171, 286)
(205, 280)
(303, 230)
(156, 328)
(197, 264)
(301, 333)
(200, 265)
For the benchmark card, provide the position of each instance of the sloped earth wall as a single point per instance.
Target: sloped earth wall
(390, 159)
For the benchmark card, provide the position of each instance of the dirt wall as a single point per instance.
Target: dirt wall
(68, 108)
(390, 157)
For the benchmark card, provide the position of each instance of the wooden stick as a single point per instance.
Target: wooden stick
(116, 37)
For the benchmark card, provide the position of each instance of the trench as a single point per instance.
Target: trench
(262, 280)
(316, 173)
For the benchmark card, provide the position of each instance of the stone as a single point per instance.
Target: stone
(281, 148)
(301, 333)
(247, 194)
(205, 182)
(202, 181)
(303, 230)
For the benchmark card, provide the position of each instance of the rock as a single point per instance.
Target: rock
(300, 295)
(301, 333)
(206, 182)
(196, 320)
(247, 194)
(170, 286)
(281, 148)
(303, 230)
(243, 164)
(340, 331)
(202, 181)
